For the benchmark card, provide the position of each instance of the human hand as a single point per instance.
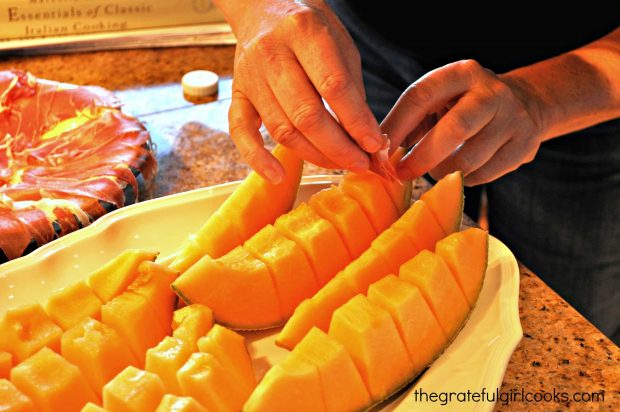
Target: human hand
(464, 117)
(289, 56)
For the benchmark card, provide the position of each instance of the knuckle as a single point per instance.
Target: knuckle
(334, 85)
(307, 117)
(285, 134)
(418, 94)
(301, 20)
(469, 65)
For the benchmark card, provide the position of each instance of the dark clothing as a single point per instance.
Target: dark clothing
(559, 214)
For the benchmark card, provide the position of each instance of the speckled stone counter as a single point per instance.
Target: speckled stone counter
(560, 350)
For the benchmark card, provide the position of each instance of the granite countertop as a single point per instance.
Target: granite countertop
(560, 351)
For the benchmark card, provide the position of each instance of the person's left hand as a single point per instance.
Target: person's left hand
(464, 117)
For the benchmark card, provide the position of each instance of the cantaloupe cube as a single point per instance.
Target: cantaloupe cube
(91, 407)
(153, 282)
(347, 217)
(290, 270)
(171, 403)
(368, 190)
(237, 287)
(206, 379)
(229, 347)
(25, 330)
(318, 238)
(98, 350)
(166, 359)
(11, 399)
(445, 199)
(432, 276)
(371, 337)
(417, 326)
(427, 230)
(395, 248)
(132, 317)
(72, 304)
(6, 362)
(113, 278)
(291, 385)
(466, 254)
(52, 383)
(192, 322)
(133, 390)
(337, 371)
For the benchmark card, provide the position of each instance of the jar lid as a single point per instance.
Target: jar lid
(200, 83)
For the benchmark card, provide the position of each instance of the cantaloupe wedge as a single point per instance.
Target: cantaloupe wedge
(395, 248)
(399, 191)
(237, 287)
(113, 278)
(192, 322)
(318, 238)
(291, 385)
(290, 270)
(369, 334)
(91, 407)
(466, 254)
(52, 383)
(420, 226)
(26, 329)
(166, 359)
(72, 304)
(347, 217)
(432, 276)
(6, 363)
(171, 403)
(13, 400)
(98, 350)
(133, 390)
(254, 204)
(444, 198)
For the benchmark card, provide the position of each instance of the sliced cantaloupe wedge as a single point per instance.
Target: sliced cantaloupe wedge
(254, 204)
(427, 229)
(91, 407)
(417, 326)
(337, 372)
(171, 403)
(166, 359)
(192, 322)
(133, 390)
(25, 330)
(347, 217)
(432, 276)
(400, 192)
(291, 385)
(237, 287)
(368, 268)
(52, 383)
(290, 270)
(12, 399)
(6, 363)
(395, 248)
(72, 304)
(113, 278)
(98, 350)
(320, 240)
(444, 199)
(466, 254)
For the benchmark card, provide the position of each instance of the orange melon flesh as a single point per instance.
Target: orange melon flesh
(25, 330)
(291, 385)
(363, 271)
(368, 190)
(229, 347)
(347, 217)
(318, 238)
(206, 379)
(254, 204)
(400, 192)
(113, 278)
(11, 399)
(395, 248)
(132, 317)
(153, 283)
(171, 403)
(52, 382)
(444, 199)
(466, 254)
(91, 407)
(72, 304)
(166, 359)
(6, 362)
(133, 390)
(237, 287)
(371, 337)
(417, 326)
(337, 372)
(420, 226)
(192, 322)
(98, 350)
(432, 276)
(290, 270)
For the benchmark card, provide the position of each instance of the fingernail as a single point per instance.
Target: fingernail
(372, 144)
(273, 175)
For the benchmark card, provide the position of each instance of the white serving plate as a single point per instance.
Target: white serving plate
(476, 360)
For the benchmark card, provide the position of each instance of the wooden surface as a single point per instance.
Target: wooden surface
(560, 351)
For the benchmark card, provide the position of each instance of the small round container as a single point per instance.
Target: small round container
(199, 86)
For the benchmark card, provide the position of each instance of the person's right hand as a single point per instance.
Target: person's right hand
(289, 56)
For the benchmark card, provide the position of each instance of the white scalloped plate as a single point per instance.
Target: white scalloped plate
(476, 360)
